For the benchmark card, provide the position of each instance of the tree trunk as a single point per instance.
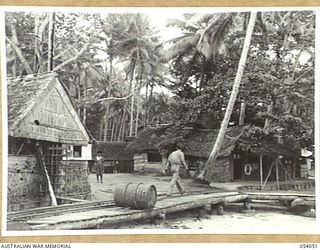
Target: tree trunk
(202, 77)
(122, 120)
(101, 129)
(84, 117)
(146, 107)
(112, 129)
(137, 114)
(19, 53)
(214, 154)
(50, 42)
(106, 125)
(132, 102)
(105, 136)
(124, 114)
(79, 99)
(269, 110)
(37, 54)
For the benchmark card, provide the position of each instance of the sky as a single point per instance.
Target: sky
(159, 21)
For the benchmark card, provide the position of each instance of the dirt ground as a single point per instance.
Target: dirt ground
(260, 220)
(104, 191)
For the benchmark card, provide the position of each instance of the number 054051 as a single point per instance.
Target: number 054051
(308, 246)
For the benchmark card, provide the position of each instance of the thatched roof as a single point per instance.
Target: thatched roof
(24, 93)
(148, 139)
(114, 151)
(39, 108)
(270, 146)
(199, 142)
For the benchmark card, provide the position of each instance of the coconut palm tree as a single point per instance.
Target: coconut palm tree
(203, 38)
(233, 96)
(137, 48)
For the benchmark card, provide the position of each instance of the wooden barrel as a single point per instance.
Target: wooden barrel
(136, 196)
(146, 197)
(120, 193)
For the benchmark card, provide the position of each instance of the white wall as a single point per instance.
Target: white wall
(86, 153)
(141, 163)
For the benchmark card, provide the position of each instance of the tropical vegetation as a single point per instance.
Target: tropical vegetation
(114, 64)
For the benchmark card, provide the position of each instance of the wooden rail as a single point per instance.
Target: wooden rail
(61, 209)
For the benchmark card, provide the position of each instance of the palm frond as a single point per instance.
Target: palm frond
(214, 35)
(184, 45)
(182, 24)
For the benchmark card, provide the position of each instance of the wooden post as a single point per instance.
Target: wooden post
(247, 204)
(270, 170)
(162, 216)
(277, 174)
(261, 171)
(207, 208)
(46, 176)
(220, 209)
(294, 170)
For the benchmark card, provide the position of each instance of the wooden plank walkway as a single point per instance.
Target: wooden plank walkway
(105, 217)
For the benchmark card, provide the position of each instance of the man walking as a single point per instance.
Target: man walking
(99, 166)
(176, 160)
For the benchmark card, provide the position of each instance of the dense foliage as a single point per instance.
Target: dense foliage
(111, 65)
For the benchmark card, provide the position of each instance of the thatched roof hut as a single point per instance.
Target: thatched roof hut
(148, 139)
(39, 108)
(241, 145)
(199, 142)
(41, 120)
(115, 151)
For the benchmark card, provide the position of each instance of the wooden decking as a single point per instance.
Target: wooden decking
(107, 215)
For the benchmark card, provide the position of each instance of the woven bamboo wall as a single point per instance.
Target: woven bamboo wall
(221, 172)
(75, 180)
(26, 185)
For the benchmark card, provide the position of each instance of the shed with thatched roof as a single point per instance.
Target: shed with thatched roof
(117, 157)
(42, 122)
(238, 152)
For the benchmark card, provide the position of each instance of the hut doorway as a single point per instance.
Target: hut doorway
(237, 167)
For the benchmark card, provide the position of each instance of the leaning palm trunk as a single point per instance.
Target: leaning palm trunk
(206, 173)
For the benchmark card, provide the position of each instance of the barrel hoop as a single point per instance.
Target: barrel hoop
(135, 195)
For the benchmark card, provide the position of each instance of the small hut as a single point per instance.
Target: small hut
(42, 123)
(117, 158)
(239, 158)
(145, 148)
